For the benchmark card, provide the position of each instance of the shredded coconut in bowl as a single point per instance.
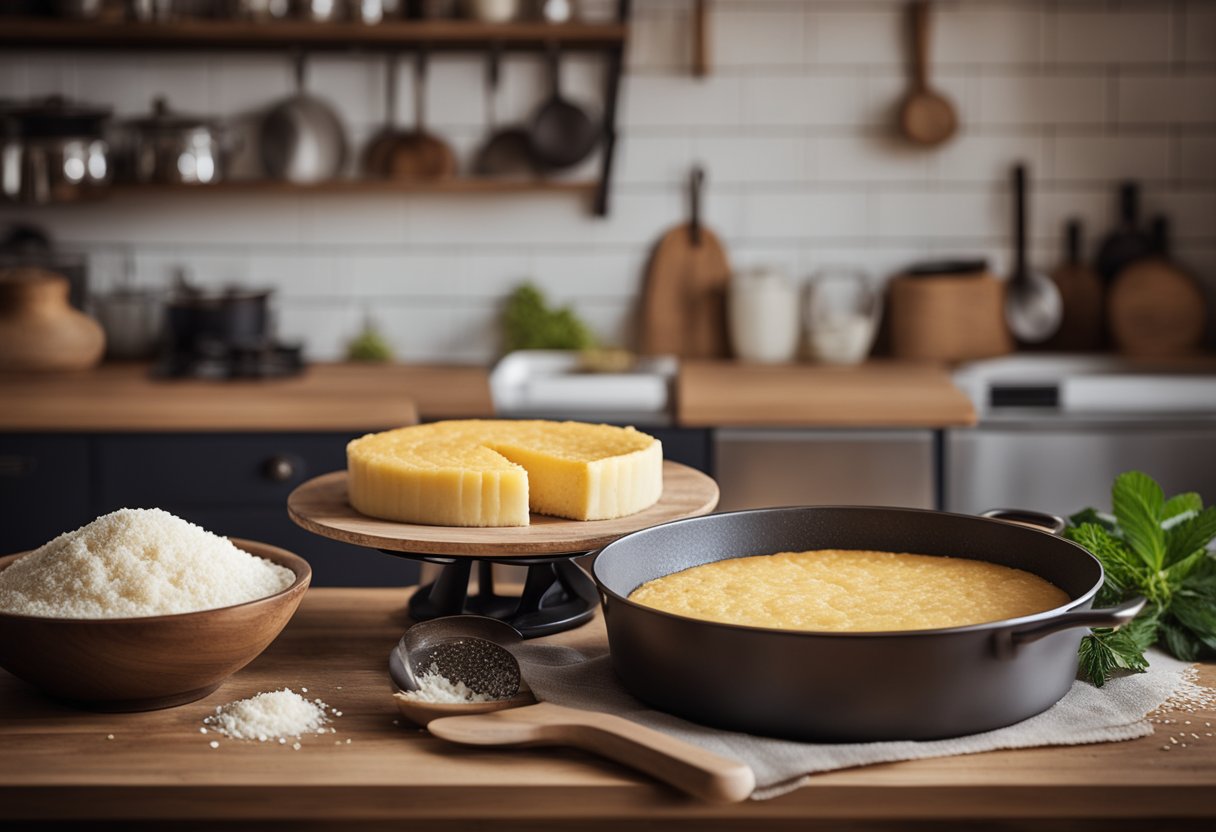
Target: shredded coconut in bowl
(135, 563)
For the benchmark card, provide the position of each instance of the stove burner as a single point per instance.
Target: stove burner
(221, 361)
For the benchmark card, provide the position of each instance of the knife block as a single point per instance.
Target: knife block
(955, 317)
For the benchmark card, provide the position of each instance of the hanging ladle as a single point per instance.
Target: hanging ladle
(476, 651)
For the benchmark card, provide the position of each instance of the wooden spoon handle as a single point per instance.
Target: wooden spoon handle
(920, 44)
(687, 767)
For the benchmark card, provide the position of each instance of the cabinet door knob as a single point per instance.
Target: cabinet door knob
(280, 468)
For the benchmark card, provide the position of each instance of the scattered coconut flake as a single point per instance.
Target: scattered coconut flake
(214, 744)
(277, 715)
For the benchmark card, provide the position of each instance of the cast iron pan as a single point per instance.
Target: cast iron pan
(562, 133)
(850, 687)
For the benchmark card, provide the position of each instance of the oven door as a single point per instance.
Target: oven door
(1061, 465)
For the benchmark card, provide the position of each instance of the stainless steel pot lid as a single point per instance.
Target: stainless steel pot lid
(164, 120)
(57, 117)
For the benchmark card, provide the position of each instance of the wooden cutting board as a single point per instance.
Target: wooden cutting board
(684, 300)
(1081, 328)
(1156, 309)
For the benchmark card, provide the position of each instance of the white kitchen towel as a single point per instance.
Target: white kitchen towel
(585, 679)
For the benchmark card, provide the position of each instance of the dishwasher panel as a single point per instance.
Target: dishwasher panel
(1061, 467)
(756, 468)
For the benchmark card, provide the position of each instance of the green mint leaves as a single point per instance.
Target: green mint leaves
(1158, 548)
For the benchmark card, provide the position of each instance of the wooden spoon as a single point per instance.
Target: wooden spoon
(690, 769)
(927, 117)
(520, 720)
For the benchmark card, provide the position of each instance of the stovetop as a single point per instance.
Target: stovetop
(223, 361)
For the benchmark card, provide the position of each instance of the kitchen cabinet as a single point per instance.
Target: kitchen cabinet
(234, 484)
(44, 488)
(687, 446)
(756, 467)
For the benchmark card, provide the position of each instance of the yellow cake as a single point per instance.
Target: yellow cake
(843, 590)
(490, 473)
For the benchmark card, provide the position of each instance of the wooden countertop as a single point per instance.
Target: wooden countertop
(326, 397)
(56, 763)
(875, 394)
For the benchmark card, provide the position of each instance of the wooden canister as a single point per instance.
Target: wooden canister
(948, 317)
(39, 329)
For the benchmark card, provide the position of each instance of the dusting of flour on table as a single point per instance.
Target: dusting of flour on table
(278, 715)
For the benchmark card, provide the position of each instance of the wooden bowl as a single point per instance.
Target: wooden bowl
(142, 664)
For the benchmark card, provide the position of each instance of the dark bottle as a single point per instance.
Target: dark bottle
(1128, 242)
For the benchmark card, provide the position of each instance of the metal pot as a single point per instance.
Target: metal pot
(850, 687)
(131, 319)
(301, 138)
(53, 151)
(198, 321)
(177, 149)
(492, 11)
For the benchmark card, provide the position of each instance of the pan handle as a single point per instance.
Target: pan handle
(1050, 523)
(1105, 617)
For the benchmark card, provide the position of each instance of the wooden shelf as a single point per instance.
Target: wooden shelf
(241, 34)
(368, 186)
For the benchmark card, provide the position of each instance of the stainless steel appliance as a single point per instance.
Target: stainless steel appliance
(1054, 431)
(758, 468)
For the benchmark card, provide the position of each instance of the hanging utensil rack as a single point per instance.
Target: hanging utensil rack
(607, 39)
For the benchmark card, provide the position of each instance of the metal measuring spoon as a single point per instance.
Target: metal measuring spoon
(462, 648)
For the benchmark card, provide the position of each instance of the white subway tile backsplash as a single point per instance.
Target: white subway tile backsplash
(743, 37)
(1195, 160)
(985, 158)
(653, 159)
(566, 277)
(1094, 35)
(348, 220)
(244, 82)
(956, 216)
(988, 33)
(810, 215)
(325, 327)
(840, 35)
(1042, 99)
(1192, 214)
(749, 159)
(354, 87)
(1167, 99)
(1106, 158)
(796, 125)
(680, 101)
(804, 100)
(129, 85)
(1199, 41)
(660, 39)
(870, 157)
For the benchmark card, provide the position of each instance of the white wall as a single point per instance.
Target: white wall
(795, 126)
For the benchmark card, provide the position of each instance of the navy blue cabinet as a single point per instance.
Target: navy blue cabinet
(44, 488)
(234, 484)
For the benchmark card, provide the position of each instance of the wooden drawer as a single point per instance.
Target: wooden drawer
(211, 469)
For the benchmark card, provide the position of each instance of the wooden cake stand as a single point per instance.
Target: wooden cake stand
(557, 594)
